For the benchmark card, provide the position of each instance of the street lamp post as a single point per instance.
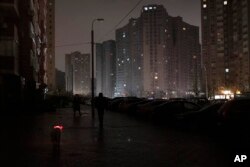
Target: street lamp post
(92, 66)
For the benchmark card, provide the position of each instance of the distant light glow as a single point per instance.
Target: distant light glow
(226, 92)
(225, 2)
(238, 92)
(156, 77)
(227, 70)
(204, 5)
(145, 8)
(124, 85)
(184, 28)
(150, 8)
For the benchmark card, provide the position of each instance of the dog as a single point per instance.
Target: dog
(56, 137)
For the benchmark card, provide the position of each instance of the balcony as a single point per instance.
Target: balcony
(9, 8)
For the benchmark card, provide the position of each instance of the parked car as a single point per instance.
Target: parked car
(235, 113)
(200, 101)
(206, 117)
(124, 105)
(132, 107)
(117, 102)
(143, 110)
(114, 103)
(169, 111)
(235, 122)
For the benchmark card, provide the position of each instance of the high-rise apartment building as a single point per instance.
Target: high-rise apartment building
(157, 56)
(9, 39)
(123, 61)
(50, 58)
(225, 45)
(99, 65)
(23, 42)
(106, 68)
(186, 61)
(23, 38)
(77, 73)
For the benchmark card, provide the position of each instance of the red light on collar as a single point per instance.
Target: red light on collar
(58, 127)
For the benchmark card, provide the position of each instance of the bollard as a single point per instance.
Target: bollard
(56, 137)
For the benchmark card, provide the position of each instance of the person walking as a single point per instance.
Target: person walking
(100, 103)
(76, 104)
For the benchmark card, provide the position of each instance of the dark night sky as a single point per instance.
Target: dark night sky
(74, 17)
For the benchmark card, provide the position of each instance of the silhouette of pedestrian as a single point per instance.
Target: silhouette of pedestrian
(76, 105)
(100, 103)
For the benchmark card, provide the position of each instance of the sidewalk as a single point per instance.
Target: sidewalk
(124, 142)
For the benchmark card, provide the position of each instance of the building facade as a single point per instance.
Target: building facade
(60, 81)
(106, 68)
(157, 56)
(77, 73)
(225, 45)
(23, 44)
(9, 39)
(50, 58)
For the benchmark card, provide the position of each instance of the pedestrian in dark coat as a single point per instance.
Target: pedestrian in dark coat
(100, 103)
(76, 104)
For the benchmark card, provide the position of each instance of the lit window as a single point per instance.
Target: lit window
(127, 59)
(166, 30)
(184, 28)
(204, 5)
(225, 2)
(139, 68)
(156, 77)
(124, 35)
(146, 8)
(150, 8)
(227, 70)
(154, 7)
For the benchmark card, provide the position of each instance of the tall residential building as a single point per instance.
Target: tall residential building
(157, 55)
(22, 47)
(129, 59)
(50, 59)
(68, 73)
(99, 67)
(60, 81)
(187, 58)
(42, 40)
(225, 45)
(77, 73)
(9, 39)
(23, 38)
(106, 68)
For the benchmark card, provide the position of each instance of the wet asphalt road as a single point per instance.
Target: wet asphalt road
(124, 142)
